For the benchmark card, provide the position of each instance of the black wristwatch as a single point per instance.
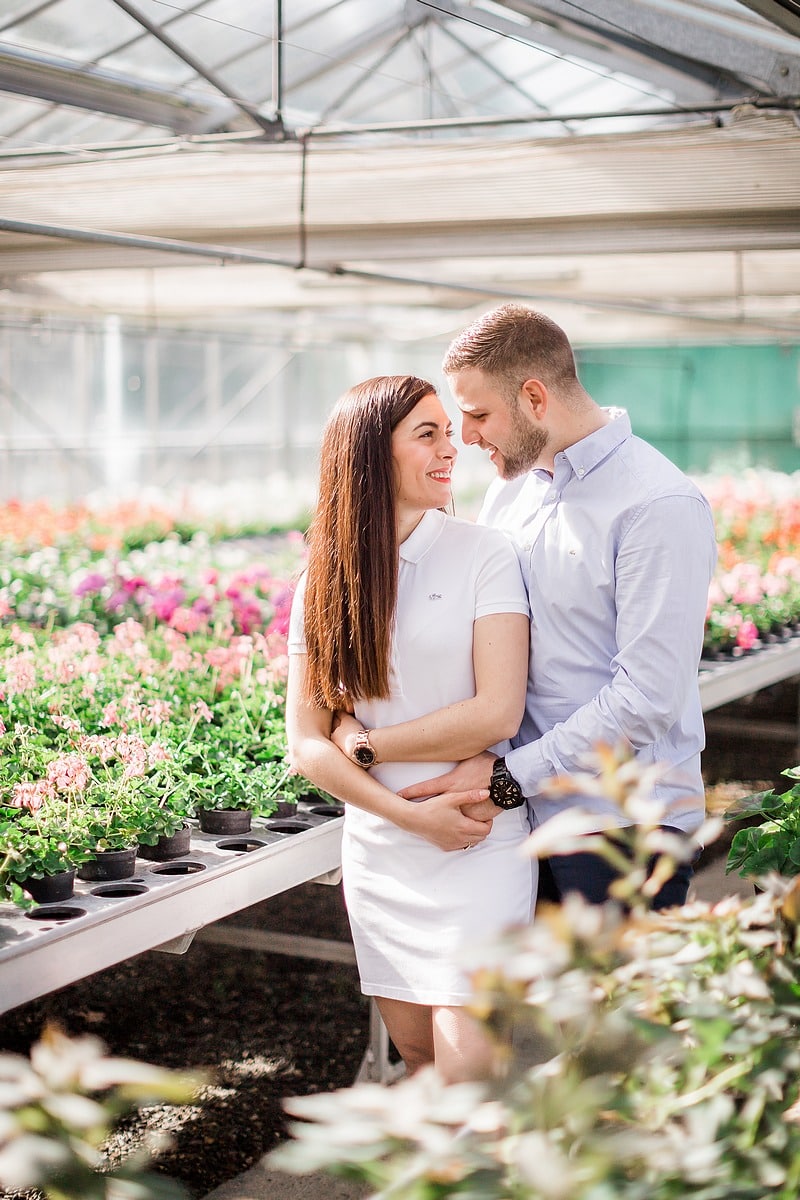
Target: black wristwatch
(363, 752)
(504, 791)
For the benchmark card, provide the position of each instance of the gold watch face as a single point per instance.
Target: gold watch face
(363, 752)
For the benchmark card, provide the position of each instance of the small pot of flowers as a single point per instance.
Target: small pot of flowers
(34, 865)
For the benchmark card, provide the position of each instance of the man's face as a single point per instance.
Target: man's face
(490, 420)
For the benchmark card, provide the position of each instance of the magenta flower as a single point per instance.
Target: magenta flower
(91, 583)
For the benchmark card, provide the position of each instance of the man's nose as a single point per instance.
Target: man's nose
(469, 431)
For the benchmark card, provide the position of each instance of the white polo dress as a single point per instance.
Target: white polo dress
(415, 910)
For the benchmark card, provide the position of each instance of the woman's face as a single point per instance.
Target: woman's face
(423, 457)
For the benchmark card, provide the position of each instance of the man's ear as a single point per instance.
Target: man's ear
(533, 398)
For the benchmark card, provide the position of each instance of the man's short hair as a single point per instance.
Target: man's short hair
(513, 343)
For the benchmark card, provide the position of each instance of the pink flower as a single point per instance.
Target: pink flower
(157, 712)
(132, 751)
(32, 795)
(200, 709)
(129, 635)
(187, 620)
(64, 722)
(747, 635)
(20, 673)
(98, 746)
(69, 773)
(217, 656)
(181, 660)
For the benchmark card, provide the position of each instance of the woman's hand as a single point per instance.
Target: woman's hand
(444, 820)
(344, 728)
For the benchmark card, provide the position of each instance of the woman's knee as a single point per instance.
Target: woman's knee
(463, 1049)
(410, 1027)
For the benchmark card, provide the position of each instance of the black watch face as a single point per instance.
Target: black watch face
(364, 756)
(504, 791)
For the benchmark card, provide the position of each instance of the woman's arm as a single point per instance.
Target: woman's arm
(494, 713)
(314, 755)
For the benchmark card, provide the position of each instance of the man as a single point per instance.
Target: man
(617, 548)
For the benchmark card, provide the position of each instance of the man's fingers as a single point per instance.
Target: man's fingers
(425, 788)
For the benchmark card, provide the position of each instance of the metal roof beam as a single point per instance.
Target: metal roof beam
(662, 72)
(59, 81)
(273, 127)
(689, 37)
(784, 13)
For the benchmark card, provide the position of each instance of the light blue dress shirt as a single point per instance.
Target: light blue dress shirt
(617, 548)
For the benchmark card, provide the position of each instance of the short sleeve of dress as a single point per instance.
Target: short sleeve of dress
(500, 587)
(297, 638)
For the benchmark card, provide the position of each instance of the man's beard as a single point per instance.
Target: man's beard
(524, 447)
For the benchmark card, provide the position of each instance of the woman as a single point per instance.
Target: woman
(418, 623)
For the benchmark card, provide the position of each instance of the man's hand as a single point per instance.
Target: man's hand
(472, 775)
(444, 821)
(466, 776)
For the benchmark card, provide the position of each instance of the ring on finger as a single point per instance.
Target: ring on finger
(468, 846)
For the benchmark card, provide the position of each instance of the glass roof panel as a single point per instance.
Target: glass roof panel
(146, 59)
(249, 75)
(340, 58)
(17, 111)
(15, 10)
(63, 127)
(64, 30)
(211, 36)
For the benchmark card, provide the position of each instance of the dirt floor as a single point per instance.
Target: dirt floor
(268, 1026)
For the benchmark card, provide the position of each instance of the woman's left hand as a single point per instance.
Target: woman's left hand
(343, 731)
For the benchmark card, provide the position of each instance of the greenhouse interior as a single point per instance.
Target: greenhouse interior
(216, 217)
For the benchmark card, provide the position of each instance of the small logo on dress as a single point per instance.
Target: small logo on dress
(435, 596)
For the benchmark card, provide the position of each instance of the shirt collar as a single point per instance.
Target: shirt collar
(420, 540)
(590, 451)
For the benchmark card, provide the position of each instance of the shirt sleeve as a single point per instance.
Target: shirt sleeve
(663, 567)
(499, 586)
(296, 643)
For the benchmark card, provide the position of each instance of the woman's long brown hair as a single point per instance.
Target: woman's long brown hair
(351, 585)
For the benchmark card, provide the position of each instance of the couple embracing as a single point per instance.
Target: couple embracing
(442, 671)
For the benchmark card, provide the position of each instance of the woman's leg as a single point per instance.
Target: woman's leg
(410, 1026)
(462, 1050)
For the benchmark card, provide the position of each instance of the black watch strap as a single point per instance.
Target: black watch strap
(504, 791)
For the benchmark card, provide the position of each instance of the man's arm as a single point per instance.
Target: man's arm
(311, 752)
(662, 572)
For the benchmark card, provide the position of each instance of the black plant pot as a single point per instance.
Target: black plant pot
(285, 808)
(110, 864)
(51, 889)
(225, 820)
(168, 846)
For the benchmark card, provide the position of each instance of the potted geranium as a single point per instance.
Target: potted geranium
(35, 859)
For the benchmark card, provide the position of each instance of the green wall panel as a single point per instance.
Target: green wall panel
(705, 407)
